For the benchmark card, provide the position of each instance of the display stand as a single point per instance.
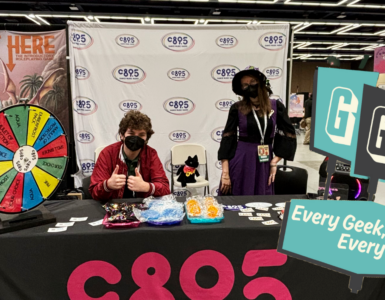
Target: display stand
(35, 217)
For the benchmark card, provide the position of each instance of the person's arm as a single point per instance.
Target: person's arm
(101, 187)
(285, 140)
(228, 146)
(229, 140)
(160, 185)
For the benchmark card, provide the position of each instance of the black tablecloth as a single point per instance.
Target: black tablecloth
(35, 264)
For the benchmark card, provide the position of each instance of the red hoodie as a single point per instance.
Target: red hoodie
(150, 168)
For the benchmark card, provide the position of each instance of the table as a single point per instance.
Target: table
(163, 262)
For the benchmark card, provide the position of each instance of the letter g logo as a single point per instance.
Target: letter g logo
(376, 141)
(341, 119)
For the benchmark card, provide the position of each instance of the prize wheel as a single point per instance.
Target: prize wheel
(33, 157)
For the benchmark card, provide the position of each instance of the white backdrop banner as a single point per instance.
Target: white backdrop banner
(180, 76)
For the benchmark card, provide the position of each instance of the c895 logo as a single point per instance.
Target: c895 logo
(129, 74)
(181, 40)
(84, 106)
(273, 41)
(178, 41)
(87, 166)
(179, 106)
(224, 104)
(224, 73)
(226, 41)
(81, 39)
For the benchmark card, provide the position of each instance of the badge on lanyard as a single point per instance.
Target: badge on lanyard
(263, 153)
(263, 150)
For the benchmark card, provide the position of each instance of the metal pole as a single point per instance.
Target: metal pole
(290, 72)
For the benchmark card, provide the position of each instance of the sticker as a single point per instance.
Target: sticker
(245, 214)
(78, 219)
(57, 229)
(258, 204)
(263, 208)
(96, 223)
(66, 224)
(247, 210)
(255, 218)
(278, 208)
(233, 207)
(263, 215)
(271, 222)
(281, 204)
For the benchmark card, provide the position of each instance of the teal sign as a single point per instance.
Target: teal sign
(345, 236)
(336, 112)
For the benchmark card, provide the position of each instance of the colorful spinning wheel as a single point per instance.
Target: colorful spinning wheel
(33, 157)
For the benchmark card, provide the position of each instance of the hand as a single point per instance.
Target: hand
(137, 184)
(226, 184)
(273, 171)
(116, 181)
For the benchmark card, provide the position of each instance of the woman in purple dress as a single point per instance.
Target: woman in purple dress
(248, 163)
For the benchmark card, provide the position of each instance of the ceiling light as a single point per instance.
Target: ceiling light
(201, 21)
(216, 13)
(32, 19)
(31, 16)
(74, 8)
(255, 22)
(147, 19)
(91, 17)
(341, 16)
(43, 20)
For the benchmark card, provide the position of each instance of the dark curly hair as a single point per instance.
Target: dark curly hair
(136, 120)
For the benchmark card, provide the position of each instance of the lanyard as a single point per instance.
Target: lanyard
(259, 127)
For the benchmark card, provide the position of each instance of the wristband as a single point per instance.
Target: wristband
(106, 186)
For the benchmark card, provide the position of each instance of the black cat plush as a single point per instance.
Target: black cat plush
(188, 171)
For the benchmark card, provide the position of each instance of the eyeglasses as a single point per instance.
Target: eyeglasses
(252, 82)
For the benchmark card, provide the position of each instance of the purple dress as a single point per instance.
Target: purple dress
(249, 176)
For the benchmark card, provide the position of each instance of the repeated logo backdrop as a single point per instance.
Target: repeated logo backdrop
(179, 76)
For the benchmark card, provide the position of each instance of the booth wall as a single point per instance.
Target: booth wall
(179, 75)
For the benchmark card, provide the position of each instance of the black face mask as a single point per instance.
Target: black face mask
(251, 91)
(134, 142)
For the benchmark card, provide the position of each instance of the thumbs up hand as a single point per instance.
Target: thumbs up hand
(137, 174)
(137, 184)
(116, 181)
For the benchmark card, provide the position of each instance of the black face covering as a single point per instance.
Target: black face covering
(251, 91)
(134, 142)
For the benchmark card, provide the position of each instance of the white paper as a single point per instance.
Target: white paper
(263, 208)
(78, 219)
(271, 222)
(96, 223)
(264, 215)
(245, 214)
(281, 204)
(255, 218)
(258, 204)
(66, 224)
(278, 208)
(247, 210)
(57, 229)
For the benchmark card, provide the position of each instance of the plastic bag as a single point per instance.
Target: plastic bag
(161, 211)
(206, 207)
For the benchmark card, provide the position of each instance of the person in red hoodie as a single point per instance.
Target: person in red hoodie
(129, 168)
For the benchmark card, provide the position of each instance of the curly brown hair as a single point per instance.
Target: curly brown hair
(136, 120)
